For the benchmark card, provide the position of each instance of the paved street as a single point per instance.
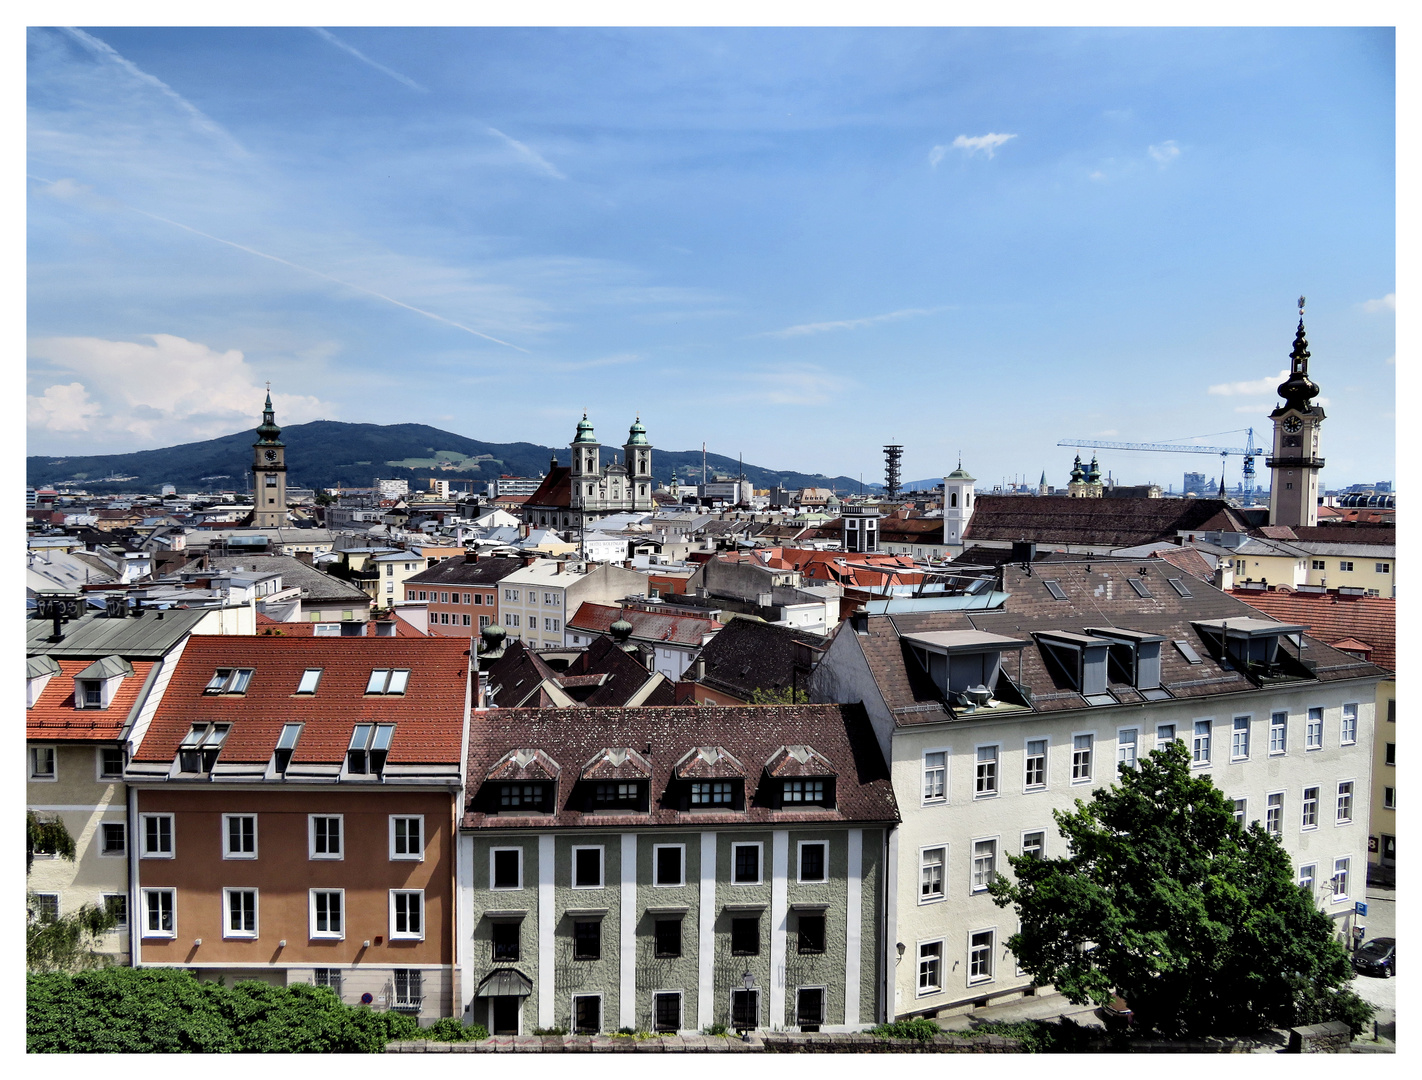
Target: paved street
(1381, 921)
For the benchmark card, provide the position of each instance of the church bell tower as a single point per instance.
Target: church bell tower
(268, 473)
(1294, 464)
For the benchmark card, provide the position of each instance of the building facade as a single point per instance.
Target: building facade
(1295, 461)
(268, 473)
(462, 593)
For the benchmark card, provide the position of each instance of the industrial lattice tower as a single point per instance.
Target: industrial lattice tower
(893, 454)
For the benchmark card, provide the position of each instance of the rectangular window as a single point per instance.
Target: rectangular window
(745, 1009)
(110, 762)
(1274, 815)
(1036, 774)
(1239, 740)
(980, 956)
(1349, 729)
(1319, 564)
(407, 837)
(310, 679)
(1389, 798)
(90, 694)
(466, 620)
(1313, 733)
(746, 861)
(713, 793)
(327, 913)
(1340, 879)
(1390, 754)
(1310, 808)
(117, 903)
(614, 795)
(1345, 802)
(668, 859)
(1081, 757)
(930, 967)
(325, 836)
(42, 763)
(810, 1008)
(115, 839)
(1164, 735)
(407, 911)
(984, 863)
(1278, 732)
(239, 836)
(520, 796)
(804, 792)
(506, 868)
(587, 940)
(812, 934)
(1034, 845)
(159, 916)
(930, 874)
(388, 681)
(229, 681)
(1201, 750)
(409, 989)
(1306, 876)
(46, 907)
(1382, 568)
(587, 1014)
(1126, 740)
(444, 598)
(814, 861)
(985, 783)
(157, 836)
(1241, 811)
(240, 906)
(504, 936)
(667, 937)
(587, 867)
(1346, 565)
(935, 776)
(666, 1013)
(330, 978)
(745, 936)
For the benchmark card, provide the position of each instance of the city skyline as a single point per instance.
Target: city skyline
(797, 244)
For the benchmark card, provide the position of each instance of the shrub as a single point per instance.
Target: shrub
(920, 1028)
(550, 1031)
(714, 1029)
(452, 1029)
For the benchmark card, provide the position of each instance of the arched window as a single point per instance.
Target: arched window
(953, 499)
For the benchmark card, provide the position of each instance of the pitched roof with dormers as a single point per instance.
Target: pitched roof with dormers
(1368, 620)
(1060, 519)
(428, 716)
(668, 738)
(54, 716)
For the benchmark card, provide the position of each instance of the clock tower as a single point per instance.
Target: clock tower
(1294, 464)
(268, 473)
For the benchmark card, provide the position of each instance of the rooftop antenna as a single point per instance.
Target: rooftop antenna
(703, 464)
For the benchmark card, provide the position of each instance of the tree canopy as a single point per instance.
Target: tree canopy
(1164, 898)
(55, 942)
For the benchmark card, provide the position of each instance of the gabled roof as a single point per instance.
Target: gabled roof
(602, 676)
(800, 760)
(524, 764)
(53, 717)
(314, 584)
(750, 655)
(1371, 620)
(669, 628)
(149, 636)
(1103, 522)
(617, 763)
(708, 763)
(555, 491)
(109, 667)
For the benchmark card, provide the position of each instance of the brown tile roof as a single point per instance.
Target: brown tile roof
(749, 655)
(486, 570)
(1060, 519)
(664, 736)
(556, 489)
(1188, 559)
(1346, 534)
(602, 676)
(54, 718)
(1331, 618)
(672, 628)
(428, 716)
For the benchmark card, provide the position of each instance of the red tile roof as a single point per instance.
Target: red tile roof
(556, 489)
(429, 716)
(54, 717)
(1332, 619)
(269, 627)
(1060, 519)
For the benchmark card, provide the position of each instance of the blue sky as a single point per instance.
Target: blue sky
(795, 244)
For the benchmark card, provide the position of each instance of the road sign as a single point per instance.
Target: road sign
(1360, 908)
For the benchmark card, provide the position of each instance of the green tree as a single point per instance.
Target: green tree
(1163, 897)
(55, 942)
(784, 696)
(324, 497)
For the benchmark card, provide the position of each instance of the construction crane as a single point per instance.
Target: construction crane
(1249, 451)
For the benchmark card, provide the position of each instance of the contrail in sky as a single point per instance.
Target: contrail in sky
(326, 35)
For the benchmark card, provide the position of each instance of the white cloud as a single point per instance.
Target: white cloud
(326, 35)
(1254, 386)
(971, 144)
(848, 324)
(1164, 152)
(1385, 303)
(936, 155)
(170, 391)
(529, 154)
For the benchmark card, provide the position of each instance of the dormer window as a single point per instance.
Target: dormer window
(88, 694)
(1079, 662)
(1134, 659)
(286, 745)
(1251, 646)
(197, 753)
(310, 678)
(369, 745)
(521, 796)
(388, 681)
(966, 667)
(714, 793)
(617, 796)
(229, 681)
(804, 792)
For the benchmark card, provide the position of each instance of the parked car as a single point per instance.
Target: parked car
(1377, 957)
(1117, 1014)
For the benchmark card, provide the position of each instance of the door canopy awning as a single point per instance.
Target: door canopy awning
(506, 982)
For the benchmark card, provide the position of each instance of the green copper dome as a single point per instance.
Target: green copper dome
(268, 433)
(637, 434)
(1077, 473)
(585, 436)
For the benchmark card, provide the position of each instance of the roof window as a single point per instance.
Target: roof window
(1134, 659)
(1079, 662)
(369, 745)
(229, 681)
(1140, 587)
(1055, 589)
(1179, 586)
(1188, 651)
(286, 745)
(388, 681)
(198, 751)
(309, 680)
(966, 667)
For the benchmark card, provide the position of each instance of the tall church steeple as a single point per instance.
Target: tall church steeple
(1295, 462)
(268, 472)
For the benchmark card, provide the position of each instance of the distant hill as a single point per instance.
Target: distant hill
(325, 453)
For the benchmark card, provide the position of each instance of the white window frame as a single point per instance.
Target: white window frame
(995, 771)
(1234, 732)
(800, 847)
(919, 989)
(1340, 897)
(1278, 828)
(1173, 737)
(311, 852)
(324, 935)
(601, 866)
(506, 888)
(311, 676)
(759, 862)
(227, 852)
(1090, 759)
(123, 831)
(973, 885)
(148, 895)
(99, 773)
(418, 856)
(228, 931)
(681, 863)
(942, 894)
(1309, 743)
(1309, 881)
(407, 935)
(937, 800)
(1282, 728)
(991, 975)
(144, 853)
(1196, 761)
(1343, 733)
(52, 776)
(573, 1010)
(1240, 809)
(1034, 832)
(1027, 755)
(1342, 822)
(1122, 744)
(1304, 824)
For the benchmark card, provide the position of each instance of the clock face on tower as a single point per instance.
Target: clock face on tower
(270, 455)
(1293, 425)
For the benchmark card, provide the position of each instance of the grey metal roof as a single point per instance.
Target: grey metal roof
(148, 637)
(964, 640)
(107, 668)
(314, 584)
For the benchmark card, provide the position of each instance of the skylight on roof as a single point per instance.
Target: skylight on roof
(309, 678)
(387, 681)
(1179, 586)
(1188, 651)
(1140, 586)
(1055, 590)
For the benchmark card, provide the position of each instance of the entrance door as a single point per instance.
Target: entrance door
(1389, 850)
(505, 1010)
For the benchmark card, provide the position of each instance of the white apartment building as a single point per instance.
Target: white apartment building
(991, 720)
(536, 602)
